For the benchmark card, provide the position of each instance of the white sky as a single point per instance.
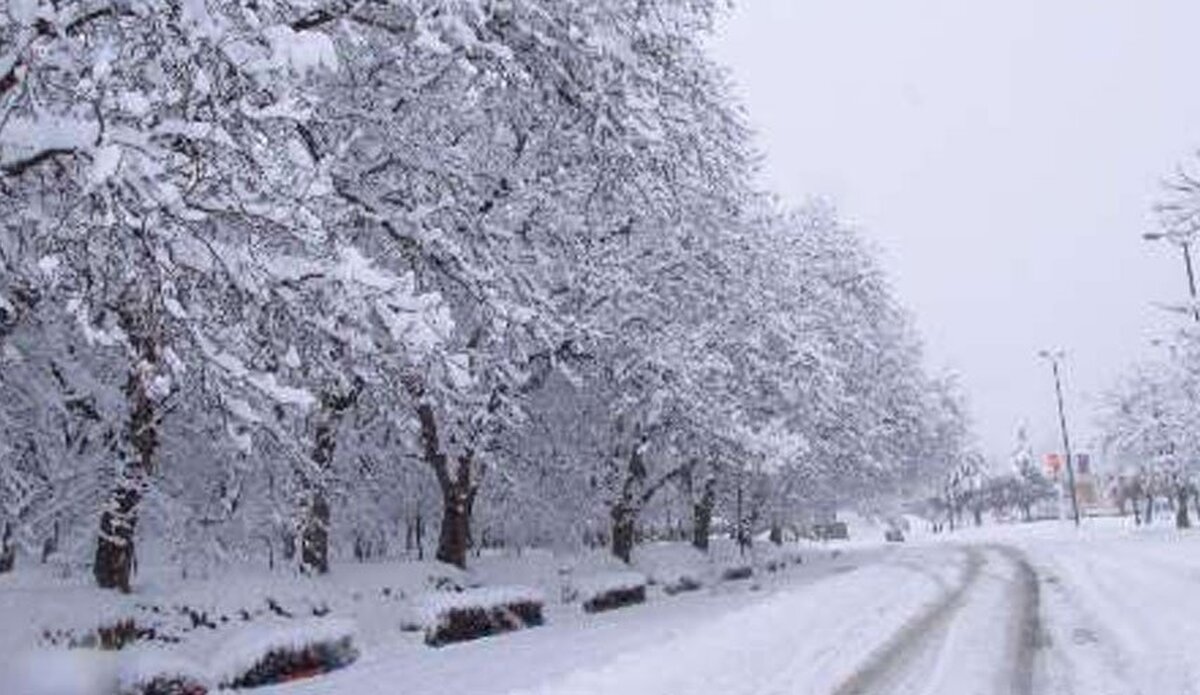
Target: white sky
(1004, 156)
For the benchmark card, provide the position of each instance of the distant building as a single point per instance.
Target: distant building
(1090, 488)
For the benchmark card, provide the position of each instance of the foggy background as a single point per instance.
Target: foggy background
(1004, 156)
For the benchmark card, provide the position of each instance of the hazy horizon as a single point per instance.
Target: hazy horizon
(1004, 157)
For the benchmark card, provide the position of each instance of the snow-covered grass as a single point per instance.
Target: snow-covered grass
(609, 590)
(215, 627)
(446, 617)
(250, 647)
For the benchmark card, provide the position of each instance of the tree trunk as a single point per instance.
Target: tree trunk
(314, 537)
(457, 500)
(702, 513)
(50, 545)
(314, 525)
(458, 487)
(1181, 509)
(1149, 509)
(978, 513)
(623, 520)
(419, 536)
(114, 560)
(8, 552)
(625, 509)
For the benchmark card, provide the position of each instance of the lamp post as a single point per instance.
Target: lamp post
(1054, 357)
(1185, 245)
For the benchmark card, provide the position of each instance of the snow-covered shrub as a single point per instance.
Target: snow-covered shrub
(778, 559)
(285, 652)
(474, 613)
(737, 572)
(109, 636)
(681, 584)
(602, 592)
(156, 672)
(676, 567)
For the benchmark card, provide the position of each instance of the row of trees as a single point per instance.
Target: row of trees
(1149, 419)
(1150, 415)
(971, 488)
(301, 278)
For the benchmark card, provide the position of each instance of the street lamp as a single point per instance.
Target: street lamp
(1187, 264)
(1054, 357)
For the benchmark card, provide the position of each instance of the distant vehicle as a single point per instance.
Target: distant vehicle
(893, 535)
(836, 530)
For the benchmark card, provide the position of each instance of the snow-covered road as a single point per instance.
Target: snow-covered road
(1022, 610)
(899, 620)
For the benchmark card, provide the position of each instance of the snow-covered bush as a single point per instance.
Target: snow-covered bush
(460, 616)
(286, 652)
(602, 592)
(157, 672)
(681, 584)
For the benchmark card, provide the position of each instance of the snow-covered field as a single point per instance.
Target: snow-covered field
(1038, 608)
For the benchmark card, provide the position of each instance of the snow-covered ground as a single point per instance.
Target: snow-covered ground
(1037, 608)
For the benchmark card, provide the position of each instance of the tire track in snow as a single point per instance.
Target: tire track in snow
(903, 647)
(918, 656)
(1027, 630)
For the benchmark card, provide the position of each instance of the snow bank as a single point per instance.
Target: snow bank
(433, 606)
(149, 669)
(458, 616)
(592, 586)
(328, 641)
(62, 672)
(609, 590)
(676, 567)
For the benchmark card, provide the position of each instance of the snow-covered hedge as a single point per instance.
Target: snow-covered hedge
(459, 616)
(157, 672)
(285, 652)
(602, 592)
(777, 559)
(682, 583)
(136, 671)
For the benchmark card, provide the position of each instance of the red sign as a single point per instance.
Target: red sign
(1053, 464)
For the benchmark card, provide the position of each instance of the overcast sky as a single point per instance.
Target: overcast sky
(1004, 156)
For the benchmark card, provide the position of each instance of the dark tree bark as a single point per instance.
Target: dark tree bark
(634, 496)
(623, 521)
(1149, 509)
(314, 531)
(8, 552)
(624, 511)
(702, 513)
(1181, 509)
(115, 552)
(458, 500)
(50, 545)
(314, 537)
(415, 535)
(454, 481)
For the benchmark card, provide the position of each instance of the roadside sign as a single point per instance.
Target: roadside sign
(1053, 463)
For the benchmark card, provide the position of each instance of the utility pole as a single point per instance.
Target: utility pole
(1186, 247)
(1054, 357)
